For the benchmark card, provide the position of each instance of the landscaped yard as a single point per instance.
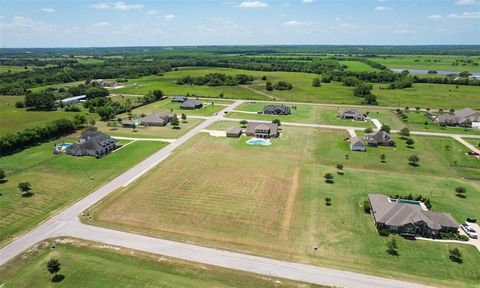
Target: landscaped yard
(209, 108)
(167, 131)
(86, 264)
(57, 180)
(271, 201)
(16, 119)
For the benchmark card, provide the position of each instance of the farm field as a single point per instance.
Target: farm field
(16, 119)
(149, 132)
(126, 268)
(13, 69)
(273, 197)
(427, 62)
(57, 180)
(357, 66)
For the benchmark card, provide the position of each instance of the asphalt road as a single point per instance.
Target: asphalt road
(66, 223)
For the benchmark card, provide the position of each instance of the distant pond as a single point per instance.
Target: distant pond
(439, 72)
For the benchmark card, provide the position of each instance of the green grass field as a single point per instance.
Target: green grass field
(427, 62)
(357, 66)
(209, 108)
(57, 180)
(86, 264)
(14, 119)
(270, 201)
(416, 121)
(13, 69)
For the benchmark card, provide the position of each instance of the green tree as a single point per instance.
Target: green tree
(2, 175)
(385, 128)
(95, 91)
(175, 123)
(367, 206)
(410, 142)
(404, 132)
(455, 255)
(383, 158)
(79, 120)
(184, 117)
(25, 188)
(19, 104)
(268, 86)
(339, 168)
(316, 82)
(368, 130)
(460, 191)
(363, 90)
(264, 78)
(328, 178)
(392, 247)
(40, 101)
(413, 160)
(277, 121)
(53, 267)
(370, 99)
(244, 123)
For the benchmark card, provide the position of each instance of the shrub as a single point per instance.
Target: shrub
(392, 247)
(455, 255)
(385, 232)
(367, 206)
(19, 104)
(328, 178)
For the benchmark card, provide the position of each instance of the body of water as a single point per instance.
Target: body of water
(439, 72)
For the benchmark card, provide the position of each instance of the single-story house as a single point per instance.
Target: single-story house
(350, 113)
(408, 217)
(464, 117)
(92, 143)
(191, 104)
(357, 144)
(157, 119)
(276, 110)
(380, 138)
(179, 99)
(234, 132)
(262, 130)
(73, 100)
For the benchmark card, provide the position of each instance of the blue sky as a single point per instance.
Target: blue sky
(141, 22)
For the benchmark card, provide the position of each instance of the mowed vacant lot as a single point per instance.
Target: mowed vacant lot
(16, 119)
(57, 180)
(86, 264)
(271, 201)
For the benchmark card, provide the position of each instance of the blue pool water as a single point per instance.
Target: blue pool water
(258, 141)
(64, 145)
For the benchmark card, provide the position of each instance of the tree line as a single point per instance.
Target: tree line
(216, 79)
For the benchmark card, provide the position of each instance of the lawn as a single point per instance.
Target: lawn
(16, 119)
(209, 108)
(427, 62)
(270, 201)
(474, 142)
(416, 121)
(86, 264)
(57, 181)
(150, 132)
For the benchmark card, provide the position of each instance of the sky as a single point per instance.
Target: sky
(74, 23)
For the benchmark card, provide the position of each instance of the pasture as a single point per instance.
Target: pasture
(57, 181)
(86, 264)
(428, 62)
(16, 119)
(270, 201)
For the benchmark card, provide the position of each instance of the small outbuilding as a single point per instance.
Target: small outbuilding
(234, 132)
(357, 144)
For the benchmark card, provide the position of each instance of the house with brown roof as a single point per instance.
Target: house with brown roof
(262, 130)
(351, 113)
(380, 138)
(463, 117)
(408, 217)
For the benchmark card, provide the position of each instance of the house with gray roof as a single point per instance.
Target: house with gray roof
(351, 113)
(357, 144)
(276, 110)
(179, 99)
(191, 104)
(262, 130)
(92, 143)
(463, 117)
(409, 218)
(234, 132)
(380, 138)
(157, 119)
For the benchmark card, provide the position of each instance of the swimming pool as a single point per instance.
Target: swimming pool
(405, 201)
(64, 145)
(259, 141)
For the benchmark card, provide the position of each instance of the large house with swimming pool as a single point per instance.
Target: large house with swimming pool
(409, 217)
(92, 143)
(262, 130)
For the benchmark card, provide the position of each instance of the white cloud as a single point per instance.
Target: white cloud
(307, 1)
(101, 25)
(152, 12)
(465, 2)
(48, 10)
(253, 4)
(294, 23)
(382, 8)
(435, 17)
(27, 24)
(116, 6)
(465, 15)
(168, 17)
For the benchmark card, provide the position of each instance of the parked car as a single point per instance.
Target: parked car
(469, 230)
